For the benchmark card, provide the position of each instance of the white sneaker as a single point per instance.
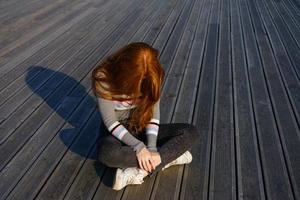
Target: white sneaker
(185, 158)
(127, 176)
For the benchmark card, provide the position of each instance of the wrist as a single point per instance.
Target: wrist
(137, 148)
(152, 149)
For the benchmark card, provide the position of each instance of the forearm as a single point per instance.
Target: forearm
(133, 142)
(153, 127)
(114, 126)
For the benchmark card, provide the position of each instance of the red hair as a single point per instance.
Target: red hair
(135, 71)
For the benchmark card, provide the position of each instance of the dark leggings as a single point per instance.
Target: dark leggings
(172, 141)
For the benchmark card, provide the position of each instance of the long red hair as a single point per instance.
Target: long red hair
(134, 71)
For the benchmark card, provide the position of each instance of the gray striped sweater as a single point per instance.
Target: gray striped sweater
(114, 112)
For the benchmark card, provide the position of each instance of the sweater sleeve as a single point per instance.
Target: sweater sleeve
(152, 128)
(114, 126)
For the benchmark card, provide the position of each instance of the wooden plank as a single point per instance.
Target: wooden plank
(287, 39)
(295, 3)
(292, 9)
(50, 52)
(25, 92)
(291, 85)
(80, 140)
(6, 5)
(39, 29)
(32, 45)
(250, 180)
(28, 24)
(274, 169)
(285, 119)
(191, 186)
(288, 13)
(88, 177)
(57, 96)
(66, 49)
(209, 79)
(71, 48)
(11, 11)
(287, 20)
(63, 61)
(222, 179)
(169, 183)
(282, 58)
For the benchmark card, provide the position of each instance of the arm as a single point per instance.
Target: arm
(153, 127)
(114, 126)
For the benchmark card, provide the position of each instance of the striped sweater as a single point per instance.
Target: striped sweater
(114, 112)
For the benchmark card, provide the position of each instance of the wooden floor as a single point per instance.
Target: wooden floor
(232, 69)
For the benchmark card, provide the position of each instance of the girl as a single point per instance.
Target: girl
(127, 85)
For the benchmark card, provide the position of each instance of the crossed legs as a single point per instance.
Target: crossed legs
(172, 141)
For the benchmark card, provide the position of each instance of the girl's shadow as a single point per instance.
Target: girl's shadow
(71, 101)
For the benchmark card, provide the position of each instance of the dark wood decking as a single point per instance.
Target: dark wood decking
(232, 69)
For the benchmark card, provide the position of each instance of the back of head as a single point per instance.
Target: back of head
(133, 71)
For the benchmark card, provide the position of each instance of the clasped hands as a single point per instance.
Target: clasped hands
(148, 160)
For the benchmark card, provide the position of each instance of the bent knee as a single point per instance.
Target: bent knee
(107, 158)
(106, 150)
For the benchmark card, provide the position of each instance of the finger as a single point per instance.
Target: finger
(144, 165)
(149, 165)
(152, 162)
(140, 163)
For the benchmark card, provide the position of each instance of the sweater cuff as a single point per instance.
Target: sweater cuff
(151, 141)
(152, 149)
(138, 147)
